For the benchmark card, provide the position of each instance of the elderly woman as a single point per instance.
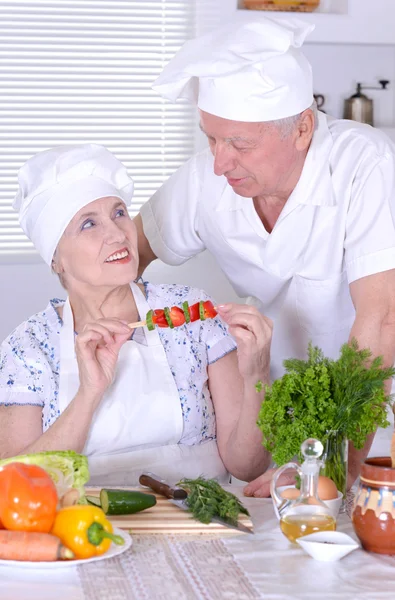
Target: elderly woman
(178, 401)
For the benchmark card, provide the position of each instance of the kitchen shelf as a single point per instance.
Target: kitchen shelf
(340, 21)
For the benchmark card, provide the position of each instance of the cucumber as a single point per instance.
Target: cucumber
(185, 308)
(124, 502)
(201, 311)
(93, 500)
(168, 317)
(150, 323)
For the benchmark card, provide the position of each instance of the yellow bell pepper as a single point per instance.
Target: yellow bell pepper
(85, 530)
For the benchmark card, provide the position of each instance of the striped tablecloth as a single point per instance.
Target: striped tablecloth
(264, 565)
(165, 566)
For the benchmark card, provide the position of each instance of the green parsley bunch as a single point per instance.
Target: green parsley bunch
(319, 395)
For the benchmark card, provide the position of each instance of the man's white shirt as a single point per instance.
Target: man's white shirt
(337, 226)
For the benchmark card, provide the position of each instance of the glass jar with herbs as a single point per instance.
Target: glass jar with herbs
(334, 401)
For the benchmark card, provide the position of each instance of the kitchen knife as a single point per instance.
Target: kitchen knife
(178, 497)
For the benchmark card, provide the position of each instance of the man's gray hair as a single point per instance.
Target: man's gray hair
(287, 125)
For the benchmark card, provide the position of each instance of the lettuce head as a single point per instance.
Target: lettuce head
(67, 469)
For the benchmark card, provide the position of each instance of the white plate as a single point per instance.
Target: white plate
(61, 564)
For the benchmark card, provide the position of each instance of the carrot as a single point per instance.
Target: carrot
(32, 546)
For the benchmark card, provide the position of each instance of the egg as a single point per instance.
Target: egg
(326, 490)
(290, 493)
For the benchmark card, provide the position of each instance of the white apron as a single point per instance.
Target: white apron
(139, 422)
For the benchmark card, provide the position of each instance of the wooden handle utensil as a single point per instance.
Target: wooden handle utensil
(162, 488)
(137, 324)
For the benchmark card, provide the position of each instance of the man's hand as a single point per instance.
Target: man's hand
(374, 328)
(146, 254)
(260, 487)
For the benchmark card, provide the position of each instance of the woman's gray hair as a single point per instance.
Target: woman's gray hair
(286, 126)
(61, 277)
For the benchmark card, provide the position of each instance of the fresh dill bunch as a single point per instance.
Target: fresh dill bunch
(319, 395)
(358, 390)
(207, 499)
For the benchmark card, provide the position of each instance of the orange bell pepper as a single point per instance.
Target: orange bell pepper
(85, 530)
(28, 498)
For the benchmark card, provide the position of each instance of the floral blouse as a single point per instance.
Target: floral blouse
(30, 360)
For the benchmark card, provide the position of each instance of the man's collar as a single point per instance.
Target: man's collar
(315, 184)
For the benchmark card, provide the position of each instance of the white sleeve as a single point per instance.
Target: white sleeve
(370, 227)
(170, 216)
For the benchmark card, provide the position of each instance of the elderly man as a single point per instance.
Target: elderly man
(296, 207)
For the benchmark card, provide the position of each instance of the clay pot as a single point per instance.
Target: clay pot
(373, 515)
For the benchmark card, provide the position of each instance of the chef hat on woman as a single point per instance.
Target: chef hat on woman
(55, 184)
(253, 71)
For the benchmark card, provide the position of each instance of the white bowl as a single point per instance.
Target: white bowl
(327, 545)
(333, 505)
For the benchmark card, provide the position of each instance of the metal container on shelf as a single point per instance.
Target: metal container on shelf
(359, 107)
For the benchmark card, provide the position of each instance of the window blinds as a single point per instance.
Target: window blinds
(77, 71)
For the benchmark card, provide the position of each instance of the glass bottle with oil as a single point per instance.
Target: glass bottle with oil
(307, 513)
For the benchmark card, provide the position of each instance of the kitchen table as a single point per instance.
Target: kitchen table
(244, 567)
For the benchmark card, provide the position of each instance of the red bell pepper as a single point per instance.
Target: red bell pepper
(28, 498)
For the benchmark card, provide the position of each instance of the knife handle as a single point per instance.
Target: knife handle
(162, 488)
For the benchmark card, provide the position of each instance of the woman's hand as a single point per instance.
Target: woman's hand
(253, 334)
(97, 348)
(260, 487)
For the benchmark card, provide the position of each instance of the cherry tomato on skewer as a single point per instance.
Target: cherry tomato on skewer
(159, 318)
(177, 316)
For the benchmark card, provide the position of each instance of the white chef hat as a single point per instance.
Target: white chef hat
(252, 71)
(55, 184)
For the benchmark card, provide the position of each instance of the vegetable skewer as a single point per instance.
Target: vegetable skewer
(176, 316)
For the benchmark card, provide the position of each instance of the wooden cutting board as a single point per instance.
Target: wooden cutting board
(165, 517)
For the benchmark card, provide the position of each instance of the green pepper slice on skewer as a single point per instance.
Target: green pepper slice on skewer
(185, 308)
(168, 317)
(150, 323)
(201, 311)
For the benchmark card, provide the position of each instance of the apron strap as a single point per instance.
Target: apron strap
(152, 337)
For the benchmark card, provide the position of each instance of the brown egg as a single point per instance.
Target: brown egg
(290, 493)
(327, 490)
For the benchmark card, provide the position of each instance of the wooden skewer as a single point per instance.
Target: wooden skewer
(137, 324)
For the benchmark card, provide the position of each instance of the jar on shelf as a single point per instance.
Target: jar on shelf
(288, 5)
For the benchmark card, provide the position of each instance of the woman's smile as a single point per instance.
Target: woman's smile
(120, 257)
